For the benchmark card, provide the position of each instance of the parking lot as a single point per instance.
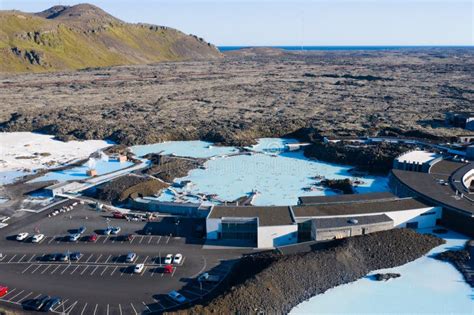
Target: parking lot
(101, 281)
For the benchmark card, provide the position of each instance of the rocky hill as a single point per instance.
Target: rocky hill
(84, 36)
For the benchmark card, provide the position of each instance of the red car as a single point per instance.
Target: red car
(118, 215)
(3, 291)
(93, 238)
(168, 269)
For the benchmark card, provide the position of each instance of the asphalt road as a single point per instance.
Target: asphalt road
(101, 282)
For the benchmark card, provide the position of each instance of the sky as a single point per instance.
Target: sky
(297, 22)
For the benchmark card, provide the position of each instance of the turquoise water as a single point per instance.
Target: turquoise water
(278, 176)
(197, 149)
(426, 286)
(78, 173)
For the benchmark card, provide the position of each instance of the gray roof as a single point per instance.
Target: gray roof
(425, 185)
(268, 216)
(337, 209)
(311, 200)
(327, 223)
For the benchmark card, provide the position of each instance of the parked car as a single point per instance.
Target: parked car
(178, 258)
(169, 259)
(118, 215)
(81, 230)
(37, 238)
(128, 237)
(93, 238)
(138, 268)
(177, 297)
(130, 257)
(74, 237)
(115, 230)
(168, 269)
(107, 231)
(3, 290)
(206, 277)
(36, 304)
(75, 256)
(22, 236)
(49, 257)
(50, 304)
(62, 257)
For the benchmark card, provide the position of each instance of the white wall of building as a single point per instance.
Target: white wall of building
(401, 218)
(273, 236)
(213, 227)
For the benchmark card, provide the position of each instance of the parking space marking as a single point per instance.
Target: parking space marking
(16, 295)
(31, 258)
(82, 272)
(60, 304)
(37, 268)
(97, 260)
(70, 308)
(144, 270)
(102, 273)
(107, 259)
(22, 258)
(37, 296)
(149, 310)
(149, 240)
(107, 309)
(141, 239)
(174, 270)
(94, 270)
(133, 238)
(83, 309)
(74, 269)
(65, 269)
(25, 297)
(168, 239)
(56, 269)
(12, 258)
(27, 268)
(47, 267)
(158, 241)
(105, 239)
(52, 239)
(9, 292)
(120, 309)
(3, 257)
(89, 258)
(133, 307)
(113, 271)
(95, 309)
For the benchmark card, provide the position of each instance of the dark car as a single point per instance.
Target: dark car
(50, 304)
(127, 237)
(50, 257)
(81, 230)
(36, 304)
(75, 256)
(62, 257)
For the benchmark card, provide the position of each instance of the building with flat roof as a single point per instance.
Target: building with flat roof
(341, 227)
(416, 160)
(313, 200)
(264, 227)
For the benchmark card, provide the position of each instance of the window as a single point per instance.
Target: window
(428, 213)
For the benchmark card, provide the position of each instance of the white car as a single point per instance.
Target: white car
(22, 236)
(130, 257)
(115, 230)
(178, 258)
(37, 238)
(169, 259)
(176, 296)
(74, 237)
(138, 268)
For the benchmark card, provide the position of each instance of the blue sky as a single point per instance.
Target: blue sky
(299, 22)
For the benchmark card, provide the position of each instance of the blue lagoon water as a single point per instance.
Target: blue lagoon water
(426, 286)
(79, 172)
(278, 176)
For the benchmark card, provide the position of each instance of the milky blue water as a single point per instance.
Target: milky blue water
(79, 172)
(197, 149)
(426, 286)
(9, 177)
(278, 176)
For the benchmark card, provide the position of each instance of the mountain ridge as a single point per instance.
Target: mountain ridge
(85, 36)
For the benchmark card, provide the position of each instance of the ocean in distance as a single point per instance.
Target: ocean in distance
(230, 48)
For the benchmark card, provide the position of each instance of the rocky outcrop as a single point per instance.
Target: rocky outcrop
(386, 276)
(270, 283)
(167, 167)
(131, 186)
(341, 185)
